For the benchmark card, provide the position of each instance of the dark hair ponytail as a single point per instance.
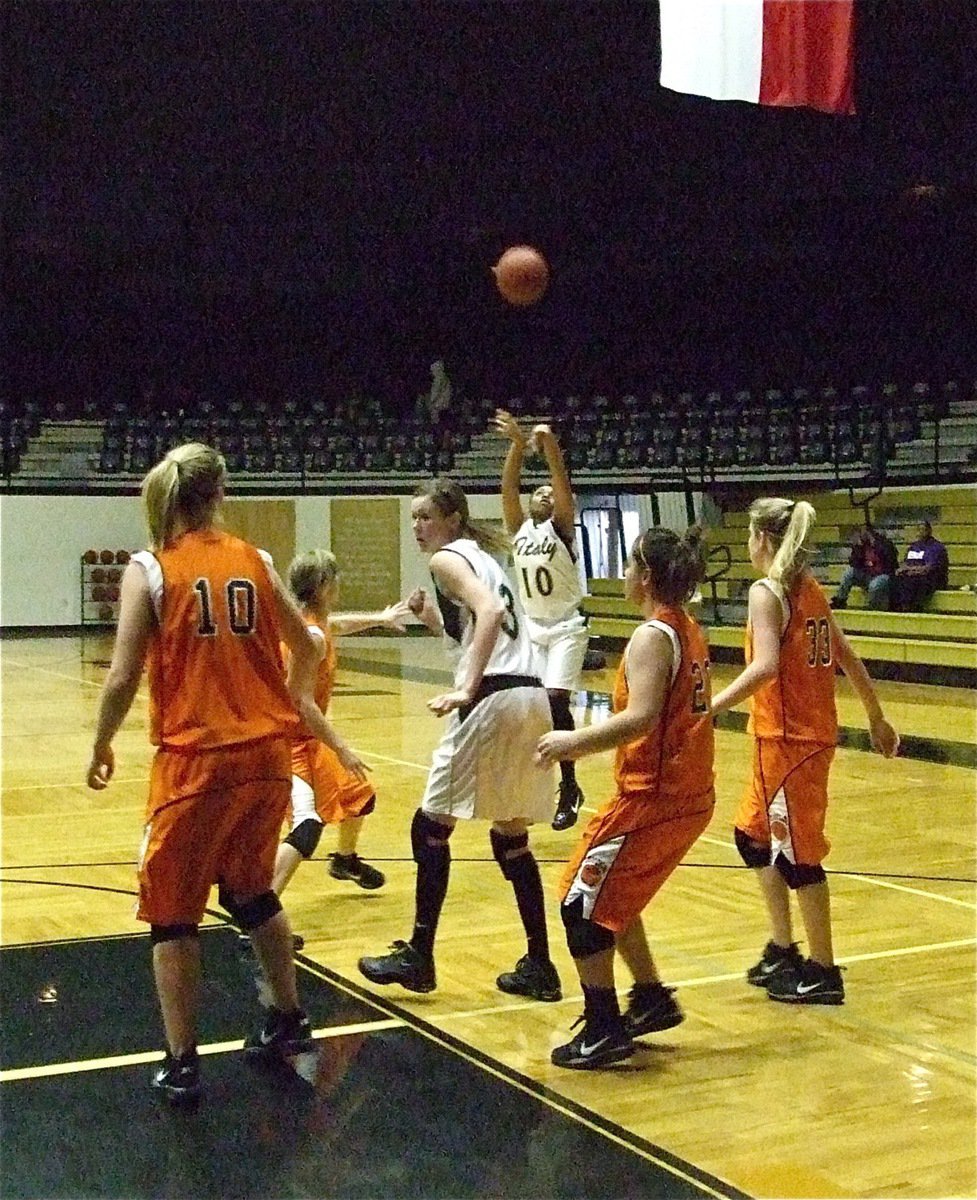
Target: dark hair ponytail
(676, 562)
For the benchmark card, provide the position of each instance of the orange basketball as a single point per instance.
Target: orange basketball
(90, 556)
(107, 556)
(521, 275)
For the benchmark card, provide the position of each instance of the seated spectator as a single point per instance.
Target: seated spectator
(871, 565)
(923, 571)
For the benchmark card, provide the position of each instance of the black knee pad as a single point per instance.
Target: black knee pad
(752, 853)
(170, 933)
(253, 913)
(305, 836)
(423, 831)
(560, 711)
(584, 937)
(368, 807)
(797, 875)
(503, 844)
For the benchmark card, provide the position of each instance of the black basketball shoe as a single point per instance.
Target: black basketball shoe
(594, 1047)
(178, 1079)
(280, 1034)
(774, 961)
(533, 977)
(568, 805)
(405, 966)
(651, 1008)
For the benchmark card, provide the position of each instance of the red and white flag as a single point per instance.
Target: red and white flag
(790, 53)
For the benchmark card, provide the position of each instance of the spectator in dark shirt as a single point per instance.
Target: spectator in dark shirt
(871, 565)
(923, 571)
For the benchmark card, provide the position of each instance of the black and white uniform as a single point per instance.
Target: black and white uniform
(549, 585)
(483, 766)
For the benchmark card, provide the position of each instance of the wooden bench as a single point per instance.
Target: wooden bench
(942, 635)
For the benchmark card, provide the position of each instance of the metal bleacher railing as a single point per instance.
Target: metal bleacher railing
(863, 435)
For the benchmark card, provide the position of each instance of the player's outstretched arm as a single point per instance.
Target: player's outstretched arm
(564, 506)
(513, 513)
(394, 616)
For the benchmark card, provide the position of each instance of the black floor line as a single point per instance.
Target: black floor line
(481, 861)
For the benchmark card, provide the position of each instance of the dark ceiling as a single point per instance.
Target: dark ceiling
(286, 195)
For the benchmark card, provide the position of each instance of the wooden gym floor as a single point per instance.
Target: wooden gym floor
(452, 1094)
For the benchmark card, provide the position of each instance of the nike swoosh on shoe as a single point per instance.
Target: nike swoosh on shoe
(587, 1051)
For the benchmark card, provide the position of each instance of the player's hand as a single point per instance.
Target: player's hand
(423, 606)
(448, 701)
(101, 768)
(884, 738)
(395, 615)
(553, 746)
(506, 424)
(352, 761)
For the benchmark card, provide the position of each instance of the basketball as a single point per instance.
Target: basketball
(90, 556)
(521, 275)
(122, 556)
(107, 556)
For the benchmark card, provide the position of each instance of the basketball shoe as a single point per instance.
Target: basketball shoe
(594, 1047)
(774, 961)
(568, 805)
(405, 966)
(533, 977)
(652, 1007)
(178, 1078)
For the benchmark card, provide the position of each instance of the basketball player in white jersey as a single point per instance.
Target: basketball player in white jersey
(483, 766)
(545, 556)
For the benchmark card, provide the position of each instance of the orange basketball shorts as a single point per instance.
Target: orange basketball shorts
(785, 802)
(619, 865)
(212, 816)
(338, 793)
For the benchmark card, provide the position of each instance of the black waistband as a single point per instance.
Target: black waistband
(497, 683)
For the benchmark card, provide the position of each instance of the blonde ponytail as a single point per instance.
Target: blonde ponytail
(187, 485)
(789, 524)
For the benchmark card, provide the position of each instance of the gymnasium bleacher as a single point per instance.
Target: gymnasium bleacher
(939, 642)
(882, 441)
(908, 432)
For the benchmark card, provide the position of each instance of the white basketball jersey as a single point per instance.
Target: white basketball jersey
(513, 653)
(549, 581)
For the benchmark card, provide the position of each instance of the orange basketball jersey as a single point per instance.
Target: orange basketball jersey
(674, 762)
(215, 668)
(799, 703)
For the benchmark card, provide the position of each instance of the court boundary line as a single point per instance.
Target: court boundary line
(80, 1066)
(650, 1151)
(395, 1018)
